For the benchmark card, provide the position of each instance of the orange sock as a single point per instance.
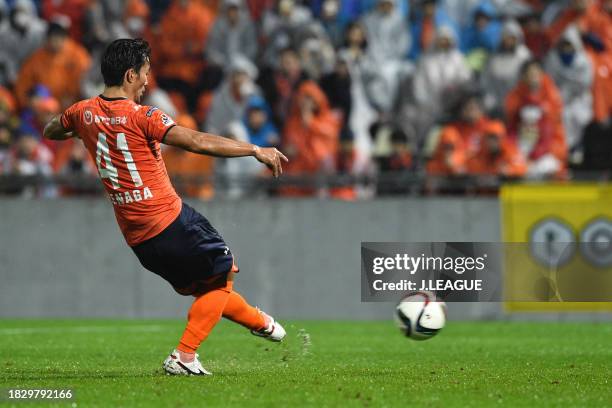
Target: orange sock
(238, 310)
(204, 314)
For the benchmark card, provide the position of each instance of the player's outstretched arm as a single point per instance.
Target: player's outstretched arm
(213, 145)
(55, 131)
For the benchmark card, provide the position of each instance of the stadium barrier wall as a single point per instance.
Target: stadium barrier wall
(297, 258)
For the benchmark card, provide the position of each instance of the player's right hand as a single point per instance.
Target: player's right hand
(271, 157)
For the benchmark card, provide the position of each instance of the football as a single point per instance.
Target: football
(420, 315)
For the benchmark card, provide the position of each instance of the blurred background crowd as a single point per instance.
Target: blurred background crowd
(366, 97)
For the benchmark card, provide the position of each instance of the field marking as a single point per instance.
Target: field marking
(84, 329)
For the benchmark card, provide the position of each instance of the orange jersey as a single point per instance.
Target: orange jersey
(123, 138)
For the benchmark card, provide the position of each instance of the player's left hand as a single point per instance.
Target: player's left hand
(271, 157)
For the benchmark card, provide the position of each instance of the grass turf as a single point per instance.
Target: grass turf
(117, 363)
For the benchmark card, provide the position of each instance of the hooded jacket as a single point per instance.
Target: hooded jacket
(575, 75)
(262, 136)
(226, 41)
(21, 39)
(228, 106)
(61, 72)
(502, 70)
(508, 161)
(460, 147)
(546, 100)
(388, 35)
(183, 33)
(488, 38)
(438, 71)
(440, 19)
(314, 144)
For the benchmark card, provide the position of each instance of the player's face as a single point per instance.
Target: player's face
(142, 80)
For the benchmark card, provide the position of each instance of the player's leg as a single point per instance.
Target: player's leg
(210, 300)
(273, 330)
(205, 313)
(238, 310)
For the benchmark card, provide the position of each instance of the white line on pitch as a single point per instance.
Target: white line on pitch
(84, 329)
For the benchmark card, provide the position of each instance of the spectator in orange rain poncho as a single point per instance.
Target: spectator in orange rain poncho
(459, 142)
(588, 16)
(59, 64)
(311, 135)
(179, 55)
(534, 117)
(450, 156)
(497, 155)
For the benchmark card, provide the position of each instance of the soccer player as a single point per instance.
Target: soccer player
(169, 237)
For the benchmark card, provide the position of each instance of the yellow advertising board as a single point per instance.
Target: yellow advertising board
(576, 217)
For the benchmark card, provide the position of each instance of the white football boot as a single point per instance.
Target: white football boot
(273, 330)
(174, 366)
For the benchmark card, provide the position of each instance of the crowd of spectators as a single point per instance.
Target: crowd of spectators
(447, 88)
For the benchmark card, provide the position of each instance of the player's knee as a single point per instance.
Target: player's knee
(185, 291)
(198, 288)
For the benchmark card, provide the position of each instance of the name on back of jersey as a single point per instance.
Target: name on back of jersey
(130, 196)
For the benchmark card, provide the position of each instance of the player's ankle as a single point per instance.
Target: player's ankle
(266, 321)
(186, 356)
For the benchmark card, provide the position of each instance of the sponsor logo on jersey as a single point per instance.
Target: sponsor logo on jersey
(119, 120)
(165, 119)
(150, 111)
(87, 117)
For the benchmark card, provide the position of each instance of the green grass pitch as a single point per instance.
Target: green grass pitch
(116, 363)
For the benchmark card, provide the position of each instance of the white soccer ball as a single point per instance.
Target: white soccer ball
(420, 316)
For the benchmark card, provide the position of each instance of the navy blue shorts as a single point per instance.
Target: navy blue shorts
(188, 251)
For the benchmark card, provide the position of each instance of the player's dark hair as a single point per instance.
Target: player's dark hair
(121, 56)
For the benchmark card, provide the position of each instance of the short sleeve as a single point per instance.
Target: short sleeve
(68, 118)
(155, 123)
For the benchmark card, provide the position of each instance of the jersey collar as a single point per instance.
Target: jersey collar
(106, 98)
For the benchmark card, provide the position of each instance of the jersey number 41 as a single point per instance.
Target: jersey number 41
(109, 171)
